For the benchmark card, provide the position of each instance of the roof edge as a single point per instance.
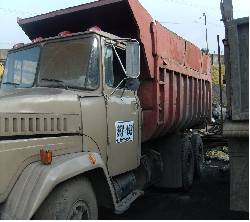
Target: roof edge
(94, 4)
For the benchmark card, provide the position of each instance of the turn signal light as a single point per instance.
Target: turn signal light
(64, 33)
(46, 156)
(92, 158)
(94, 29)
(38, 39)
(18, 45)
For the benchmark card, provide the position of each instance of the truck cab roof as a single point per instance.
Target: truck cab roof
(39, 40)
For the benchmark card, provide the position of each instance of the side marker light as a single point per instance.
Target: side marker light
(46, 156)
(92, 158)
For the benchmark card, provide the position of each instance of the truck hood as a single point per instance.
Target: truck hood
(39, 100)
(31, 119)
(39, 111)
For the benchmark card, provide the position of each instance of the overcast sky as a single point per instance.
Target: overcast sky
(184, 17)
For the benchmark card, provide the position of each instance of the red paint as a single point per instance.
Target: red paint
(18, 45)
(175, 90)
(38, 39)
(64, 33)
(94, 29)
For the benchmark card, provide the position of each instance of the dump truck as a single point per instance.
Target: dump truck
(103, 103)
(236, 126)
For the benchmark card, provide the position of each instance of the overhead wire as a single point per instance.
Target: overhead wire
(200, 6)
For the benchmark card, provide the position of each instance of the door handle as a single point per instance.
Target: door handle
(135, 105)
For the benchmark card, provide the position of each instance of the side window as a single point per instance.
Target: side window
(21, 67)
(108, 62)
(113, 71)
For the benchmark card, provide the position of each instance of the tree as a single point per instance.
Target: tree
(206, 51)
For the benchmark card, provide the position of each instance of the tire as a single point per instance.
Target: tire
(197, 146)
(187, 164)
(71, 200)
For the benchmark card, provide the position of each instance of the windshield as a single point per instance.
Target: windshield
(20, 69)
(71, 64)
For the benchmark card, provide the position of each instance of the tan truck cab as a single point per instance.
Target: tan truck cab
(68, 95)
(90, 119)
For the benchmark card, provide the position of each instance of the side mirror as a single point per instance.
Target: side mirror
(133, 59)
(132, 84)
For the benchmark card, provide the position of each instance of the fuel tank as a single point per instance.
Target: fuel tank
(175, 90)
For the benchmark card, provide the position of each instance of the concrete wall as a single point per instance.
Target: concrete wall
(214, 59)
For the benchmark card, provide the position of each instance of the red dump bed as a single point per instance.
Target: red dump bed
(175, 90)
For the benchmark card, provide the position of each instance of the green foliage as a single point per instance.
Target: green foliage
(215, 73)
(1, 70)
(206, 51)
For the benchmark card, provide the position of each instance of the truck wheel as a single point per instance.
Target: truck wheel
(71, 200)
(187, 164)
(197, 146)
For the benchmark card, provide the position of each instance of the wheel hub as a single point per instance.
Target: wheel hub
(79, 211)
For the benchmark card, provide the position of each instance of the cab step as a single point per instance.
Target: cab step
(122, 206)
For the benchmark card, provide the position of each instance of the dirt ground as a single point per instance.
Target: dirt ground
(208, 199)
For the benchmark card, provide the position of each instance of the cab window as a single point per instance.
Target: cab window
(72, 64)
(20, 69)
(114, 73)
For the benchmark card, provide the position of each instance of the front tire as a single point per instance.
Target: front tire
(72, 200)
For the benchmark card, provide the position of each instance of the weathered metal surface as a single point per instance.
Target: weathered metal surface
(175, 90)
(238, 39)
(236, 48)
(239, 173)
(236, 129)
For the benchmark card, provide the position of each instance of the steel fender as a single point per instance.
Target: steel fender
(38, 180)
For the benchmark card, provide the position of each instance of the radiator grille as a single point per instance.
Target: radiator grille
(28, 124)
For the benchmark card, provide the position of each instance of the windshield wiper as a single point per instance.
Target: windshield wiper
(56, 81)
(11, 83)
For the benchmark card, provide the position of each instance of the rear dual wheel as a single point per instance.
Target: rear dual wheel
(187, 164)
(192, 160)
(197, 146)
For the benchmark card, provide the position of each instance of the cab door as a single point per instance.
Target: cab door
(123, 115)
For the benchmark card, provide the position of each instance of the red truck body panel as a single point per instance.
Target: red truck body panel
(175, 90)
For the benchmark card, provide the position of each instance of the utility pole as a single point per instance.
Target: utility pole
(226, 7)
(220, 83)
(205, 17)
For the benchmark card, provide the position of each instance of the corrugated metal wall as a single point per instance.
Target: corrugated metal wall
(238, 90)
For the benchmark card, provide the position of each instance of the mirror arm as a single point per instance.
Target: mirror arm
(118, 86)
(119, 59)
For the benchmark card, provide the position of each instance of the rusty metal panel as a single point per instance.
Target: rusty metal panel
(175, 90)
(131, 20)
(193, 57)
(206, 64)
(143, 22)
(169, 45)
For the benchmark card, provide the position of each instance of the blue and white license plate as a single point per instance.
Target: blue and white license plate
(124, 131)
